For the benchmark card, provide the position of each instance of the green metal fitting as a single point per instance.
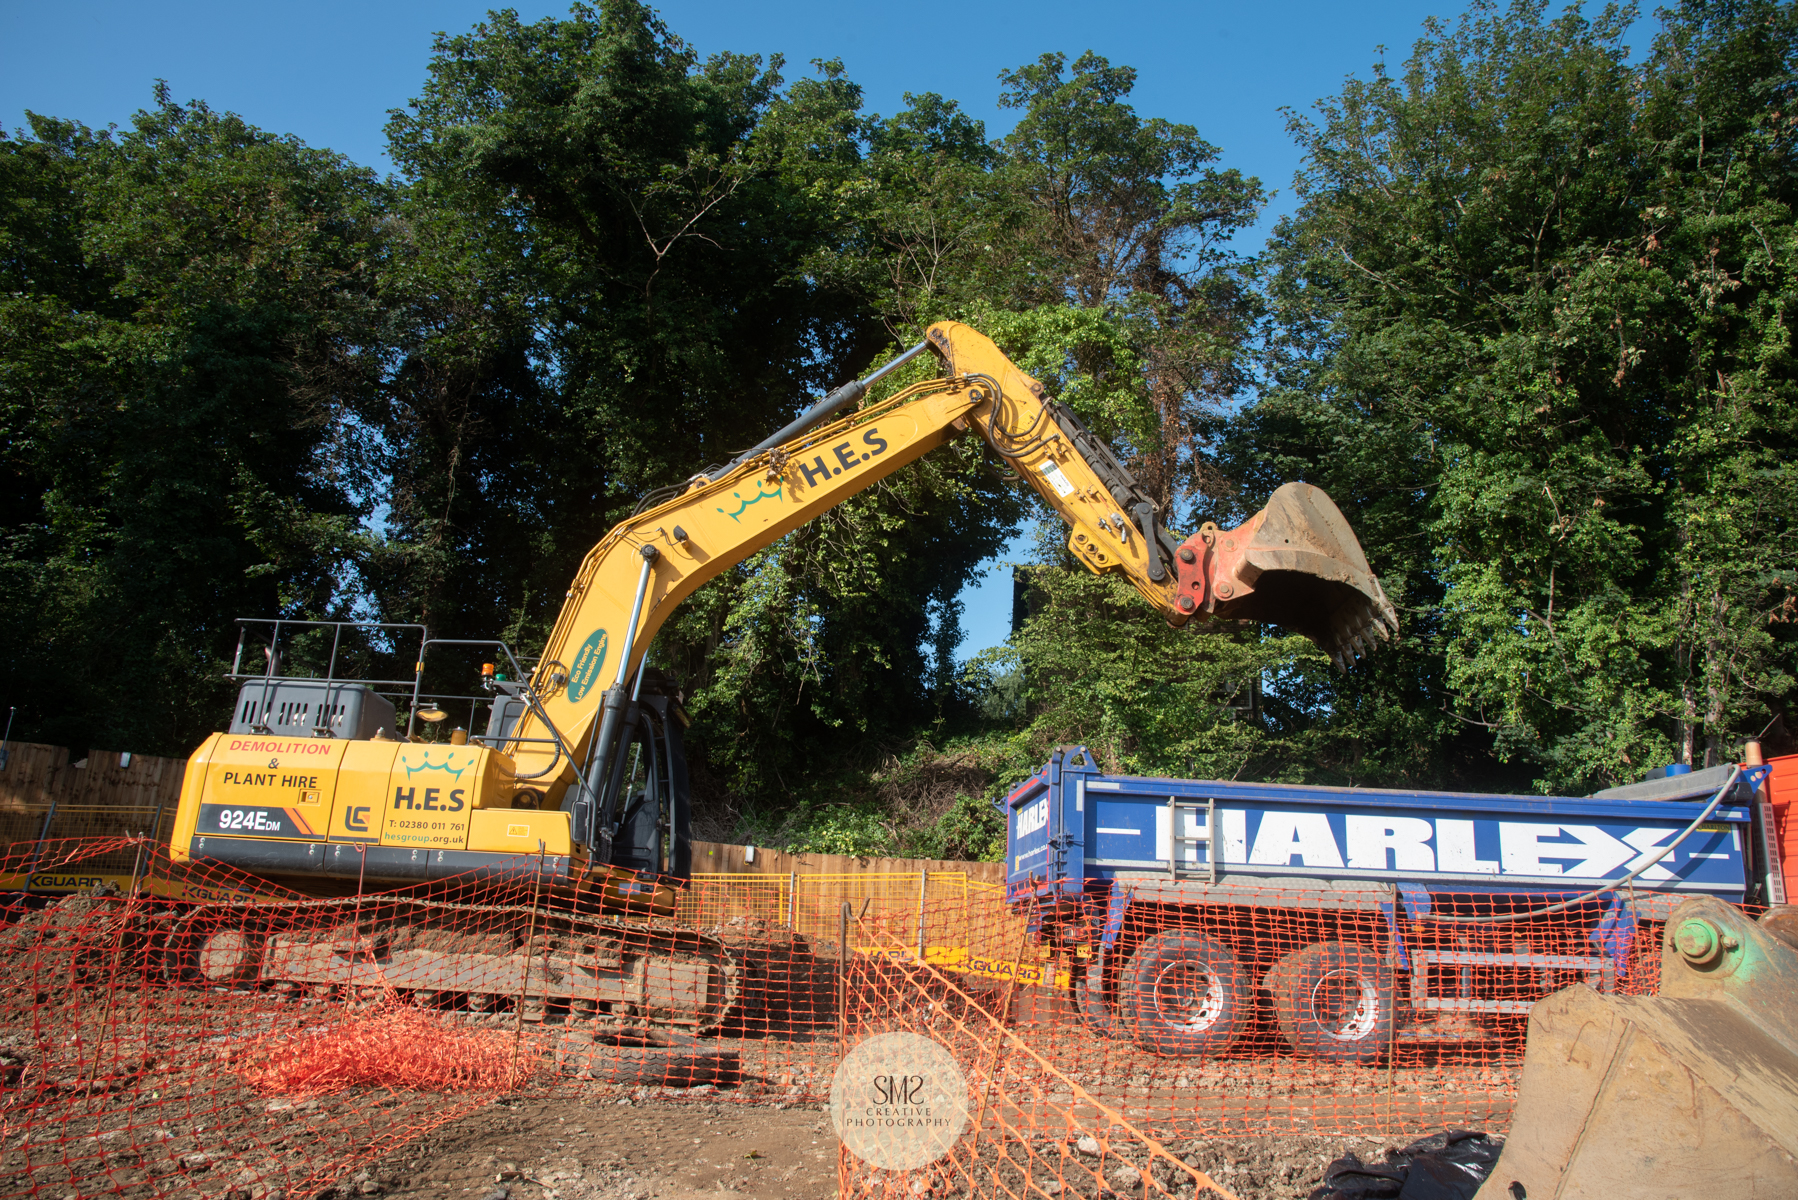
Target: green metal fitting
(1698, 941)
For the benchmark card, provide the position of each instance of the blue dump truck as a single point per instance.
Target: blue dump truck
(1193, 916)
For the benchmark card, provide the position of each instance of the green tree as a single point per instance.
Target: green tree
(1146, 699)
(1128, 216)
(1529, 333)
(602, 300)
(188, 327)
(1090, 244)
(622, 265)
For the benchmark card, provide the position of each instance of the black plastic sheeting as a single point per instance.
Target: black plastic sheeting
(1450, 1165)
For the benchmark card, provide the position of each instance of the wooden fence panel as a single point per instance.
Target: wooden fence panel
(723, 858)
(43, 794)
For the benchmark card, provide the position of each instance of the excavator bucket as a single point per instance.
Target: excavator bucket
(1295, 563)
(1693, 1092)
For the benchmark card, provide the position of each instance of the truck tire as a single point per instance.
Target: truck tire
(1184, 994)
(1089, 995)
(1334, 1001)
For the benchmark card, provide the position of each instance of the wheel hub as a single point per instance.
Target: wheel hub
(1189, 997)
(1345, 1006)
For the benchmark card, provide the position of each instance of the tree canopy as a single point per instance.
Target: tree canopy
(1530, 322)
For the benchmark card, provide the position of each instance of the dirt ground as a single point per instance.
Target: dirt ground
(141, 1094)
(199, 1134)
(568, 1148)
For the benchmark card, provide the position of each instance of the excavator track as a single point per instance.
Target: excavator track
(474, 957)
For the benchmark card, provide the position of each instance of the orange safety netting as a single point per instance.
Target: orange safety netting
(1314, 1021)
(396, 1047)
(197, 1031)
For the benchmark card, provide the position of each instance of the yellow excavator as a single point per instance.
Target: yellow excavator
(578, 785)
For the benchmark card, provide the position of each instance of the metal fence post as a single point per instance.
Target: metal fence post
(43, 835)
(923, 887)
(530, 946)
(843, 978)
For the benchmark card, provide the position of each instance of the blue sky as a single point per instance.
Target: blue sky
(328, 71)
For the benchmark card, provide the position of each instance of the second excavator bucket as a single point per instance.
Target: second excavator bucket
(1692, 1092)
(1296, 564)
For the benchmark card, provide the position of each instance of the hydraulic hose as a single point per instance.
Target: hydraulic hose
(850, 393)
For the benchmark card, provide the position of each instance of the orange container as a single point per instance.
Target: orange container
(1782, 790)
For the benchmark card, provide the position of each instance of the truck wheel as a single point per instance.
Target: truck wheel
(1089, 994)
(1334, 1002)
(1183, 994)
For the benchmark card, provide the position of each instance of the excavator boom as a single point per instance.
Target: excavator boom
(1296, 563)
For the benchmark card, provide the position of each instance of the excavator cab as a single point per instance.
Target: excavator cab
(653, 834)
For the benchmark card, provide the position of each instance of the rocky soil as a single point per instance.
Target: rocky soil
(599, 1148)
(646, 1148)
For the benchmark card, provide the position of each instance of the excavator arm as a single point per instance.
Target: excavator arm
(1295, 563)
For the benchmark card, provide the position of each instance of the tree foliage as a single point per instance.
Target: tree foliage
(1531, 324)
(190, 325)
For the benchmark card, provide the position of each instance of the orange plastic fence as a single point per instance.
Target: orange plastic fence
(1283, 1014)
(202, 1032)
(207, 1034)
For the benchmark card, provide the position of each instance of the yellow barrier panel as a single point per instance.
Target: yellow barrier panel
(925, 911)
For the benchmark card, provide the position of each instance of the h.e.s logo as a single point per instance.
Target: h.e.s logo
(898, 1089)
(434, 799)
(847, 456)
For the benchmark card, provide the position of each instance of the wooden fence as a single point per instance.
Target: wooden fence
(724, 859)
(107, 794)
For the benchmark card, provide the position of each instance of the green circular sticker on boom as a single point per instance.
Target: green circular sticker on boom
(587, 662)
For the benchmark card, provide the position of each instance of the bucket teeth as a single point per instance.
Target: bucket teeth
(1301, 568)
